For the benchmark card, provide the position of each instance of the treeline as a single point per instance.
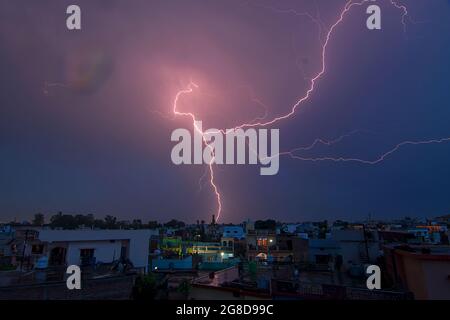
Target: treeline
(71, 222)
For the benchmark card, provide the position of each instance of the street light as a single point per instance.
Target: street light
(268, 250)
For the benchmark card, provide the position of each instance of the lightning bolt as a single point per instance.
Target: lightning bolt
(312, 86)
(348, 6)
(323, 142)
(255, 100)
(200, 181)
(404, 11)
(378, 160)
(188, 90)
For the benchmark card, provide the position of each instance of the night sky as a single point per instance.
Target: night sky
(85, 116)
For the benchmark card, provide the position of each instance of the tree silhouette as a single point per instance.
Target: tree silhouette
(38, 219)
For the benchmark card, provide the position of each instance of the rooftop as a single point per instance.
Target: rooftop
(423, 252)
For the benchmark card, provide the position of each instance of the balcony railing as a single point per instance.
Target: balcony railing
(319, 291)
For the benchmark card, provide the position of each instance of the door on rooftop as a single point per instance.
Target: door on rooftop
(123, 253)
(57, 256)
(87, 257)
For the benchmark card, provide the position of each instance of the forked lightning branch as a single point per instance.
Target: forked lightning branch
(213, 140)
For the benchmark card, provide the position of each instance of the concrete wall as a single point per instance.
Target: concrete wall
(426, 276)
(414, 276)
(113, 288)
(104, 251)
(163, 264)
(203, 293)
(437, 277)
(322, 247)
(353, 247)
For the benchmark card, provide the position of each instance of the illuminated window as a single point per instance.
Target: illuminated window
(262, 242)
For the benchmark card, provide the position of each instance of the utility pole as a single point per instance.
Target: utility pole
(23, 251)
(365, 242)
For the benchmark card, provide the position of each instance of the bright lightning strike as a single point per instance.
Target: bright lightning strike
(313, 83)
(190, 89)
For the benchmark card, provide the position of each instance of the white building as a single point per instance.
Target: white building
(322, 251)
(81, 246)
(236, 232)
(352, 245)
(290, 227)
(421, 235)
(355, 247)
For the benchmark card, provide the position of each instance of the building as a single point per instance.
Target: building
(420, 235)
(423, 270)
(211, 251)
(259, 243)
(267, 245)
(25, 247)
(352, 246)
(395, 236)
(444, 219)
(161, 263)
(357, 246)
(171, 246)
(232, 284)
(235, 232)
(7, 249)
(80, 247)
(322, 251)
(291, 247)
(225, 285)
(434, 232)
(290, 227)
